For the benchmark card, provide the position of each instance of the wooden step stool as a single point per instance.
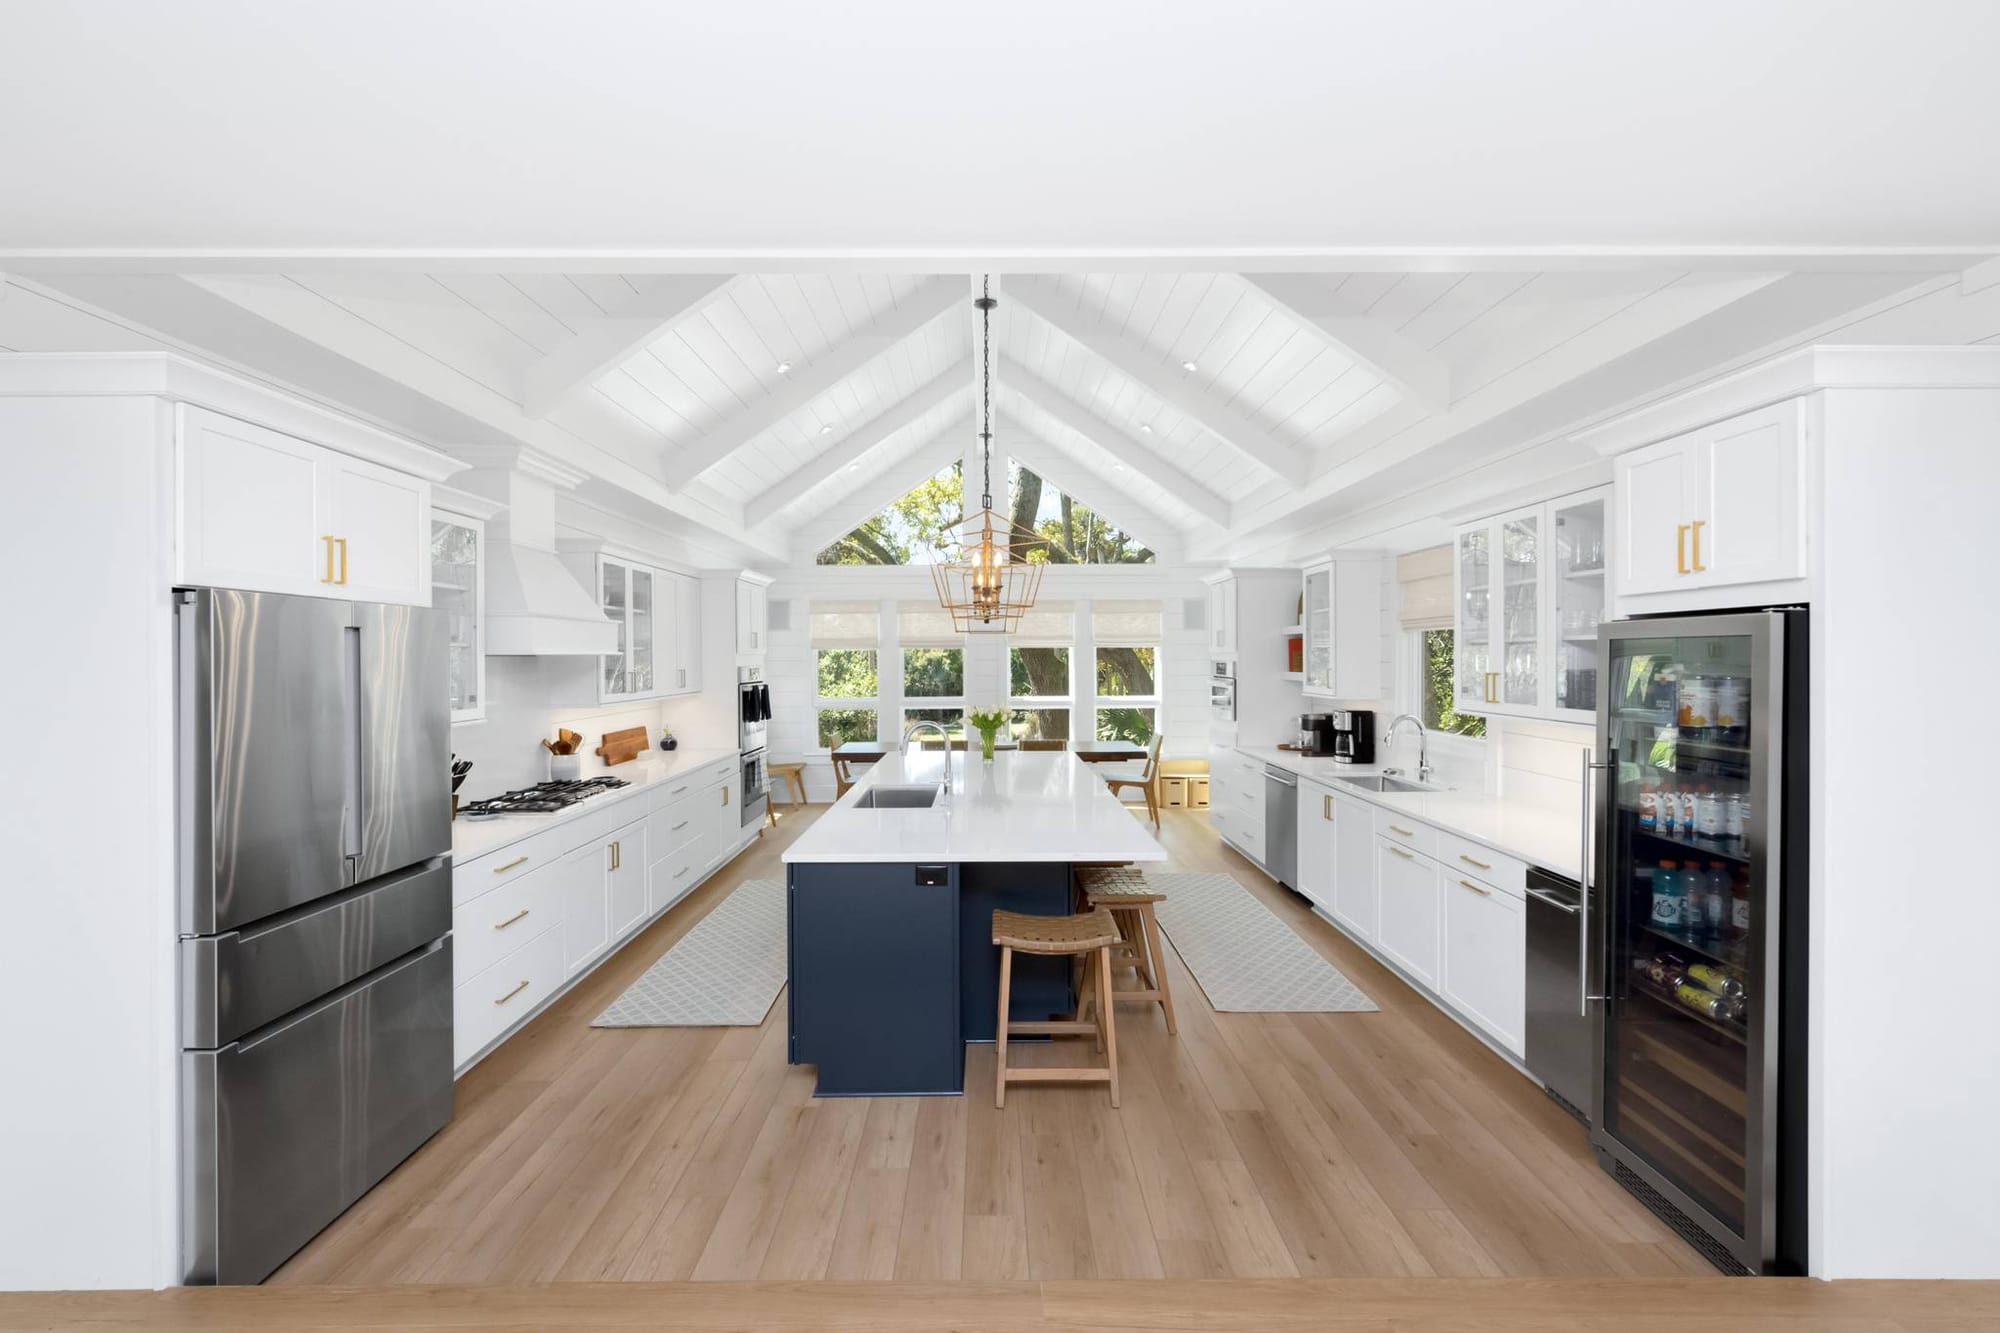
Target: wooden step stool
(1082, 935)
(1129, 897)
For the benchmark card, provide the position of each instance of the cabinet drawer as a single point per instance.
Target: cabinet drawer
(501, 995)
(489, 927)
(1400, 828)
(1248, 837)
(672, 827)
(469, 879)
(1462, 856)
(670, 877)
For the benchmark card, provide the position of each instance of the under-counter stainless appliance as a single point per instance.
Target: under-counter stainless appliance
(753, 714)
(1281, 826)
(1561, 1038)
(314, 792)
(1315, 733)
(1222, 690)
(1353, 735)
(1699, 1099)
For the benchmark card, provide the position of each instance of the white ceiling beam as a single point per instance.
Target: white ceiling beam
(809, 381)
(1979, 277)
(648, 315)
(902, 414)
(1418, 373)
(284, 303)
(1093, 488)
(1116, 444)
(1138, 363)
(880, 490)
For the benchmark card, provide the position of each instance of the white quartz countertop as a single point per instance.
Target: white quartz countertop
(472, 838)
(1027, 805)
(1542, 835)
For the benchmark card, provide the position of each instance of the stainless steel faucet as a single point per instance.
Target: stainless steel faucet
(944, 739)
(1424, 770)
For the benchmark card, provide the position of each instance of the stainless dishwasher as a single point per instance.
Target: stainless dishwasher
(1281, 826)
(1561, 1045)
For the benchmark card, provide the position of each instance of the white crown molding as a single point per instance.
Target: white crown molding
(466, 504)
(1791, 376)
(179, 379)
(528, 461)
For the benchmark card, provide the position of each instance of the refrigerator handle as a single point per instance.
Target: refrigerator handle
(351, 794)
(1583, 995)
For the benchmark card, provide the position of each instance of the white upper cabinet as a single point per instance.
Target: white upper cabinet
(1342, 624)
(753, 617)
(458, 591)
(680, 665)
(1222, 617)
(1720, 507)
(266, 512)
(658, 616)
(1529, 595)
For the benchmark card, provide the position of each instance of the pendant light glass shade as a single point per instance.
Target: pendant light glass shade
(994, 582)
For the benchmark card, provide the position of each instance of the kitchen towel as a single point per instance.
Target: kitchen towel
(1246, 959)
(723, 973)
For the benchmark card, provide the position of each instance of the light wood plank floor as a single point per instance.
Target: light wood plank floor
(1251, 1146)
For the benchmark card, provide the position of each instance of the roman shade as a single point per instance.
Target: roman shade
(1121, 622)
(1048, 622)
(1424, 578)
(925, 624)
(846, 624)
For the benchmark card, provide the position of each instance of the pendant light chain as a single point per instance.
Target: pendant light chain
(986, 304)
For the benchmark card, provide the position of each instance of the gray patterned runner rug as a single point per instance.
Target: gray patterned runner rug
(723, 973)
(1246, 959)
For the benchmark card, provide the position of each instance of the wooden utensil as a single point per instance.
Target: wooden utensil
(619, 746)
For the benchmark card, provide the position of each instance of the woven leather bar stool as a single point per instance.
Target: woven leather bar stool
(1129, 897)
(1086, 934)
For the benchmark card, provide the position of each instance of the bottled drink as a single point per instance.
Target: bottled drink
(1739, 909)
(1669, 812)
(1718, 980)
(1732, 818)
(1666, 971)
(1731, 709)
(1669, 896)
(1697, 702)
(1715, 908)
(1704, 1001)
(1707, 813)
(1649, 809)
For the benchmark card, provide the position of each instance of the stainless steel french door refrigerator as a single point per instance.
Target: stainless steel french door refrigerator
(1699, 794)
(315, 913)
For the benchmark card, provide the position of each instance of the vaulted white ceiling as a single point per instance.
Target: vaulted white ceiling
(1217, 415)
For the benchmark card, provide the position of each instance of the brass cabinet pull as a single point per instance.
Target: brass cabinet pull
(1681, 547)
(1407, 856)
(328, 577)
(517, 861)
(1326, 806)
(1484, 893)
(1469, 861)
(614, 856)
(678, 790)
(1398, 828)
(512, 993)
(502, 925)
(678, 827)
(725, 795)
(341, 542)
(1695, 527)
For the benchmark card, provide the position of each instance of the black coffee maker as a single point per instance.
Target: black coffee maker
(1353, 735)
(1315, 733)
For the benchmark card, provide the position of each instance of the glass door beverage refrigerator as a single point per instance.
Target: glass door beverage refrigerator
(1698, 789)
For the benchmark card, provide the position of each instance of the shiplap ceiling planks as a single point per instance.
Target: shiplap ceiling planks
(1228, 410)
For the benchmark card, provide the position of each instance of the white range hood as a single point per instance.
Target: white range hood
(535, 607)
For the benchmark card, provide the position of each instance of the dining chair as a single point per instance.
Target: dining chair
(1120, 776)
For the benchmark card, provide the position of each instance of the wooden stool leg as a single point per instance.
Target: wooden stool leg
(1000, 1028)
(1158, 949)
(1109, 1023)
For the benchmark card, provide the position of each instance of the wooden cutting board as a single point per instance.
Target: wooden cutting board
(619, 746)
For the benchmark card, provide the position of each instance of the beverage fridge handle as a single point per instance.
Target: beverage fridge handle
(1583, 995)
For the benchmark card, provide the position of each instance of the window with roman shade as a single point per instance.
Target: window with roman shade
(1126, 639)
(846, 643)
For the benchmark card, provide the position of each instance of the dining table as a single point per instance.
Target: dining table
(1107, 752)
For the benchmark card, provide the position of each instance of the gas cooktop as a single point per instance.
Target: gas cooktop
(544, 798)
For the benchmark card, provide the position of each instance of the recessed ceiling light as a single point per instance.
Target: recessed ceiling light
(1188, 366)
(826, 429)
(1117, 467)
(784, 367)
(1146, 427)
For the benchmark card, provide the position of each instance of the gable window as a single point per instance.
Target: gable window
(1070, 531)
(1127, 638)
(933, 670)
(1041, 691)
(917, 529)
(848, 686)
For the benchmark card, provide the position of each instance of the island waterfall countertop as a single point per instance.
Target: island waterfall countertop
(1027, 805)
(476, 837)
(1542, 835)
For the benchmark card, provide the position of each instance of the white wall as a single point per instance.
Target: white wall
(528, 698)
(88, 1194)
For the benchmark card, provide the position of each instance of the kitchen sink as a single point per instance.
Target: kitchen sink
(1381, 782)
(890, 797)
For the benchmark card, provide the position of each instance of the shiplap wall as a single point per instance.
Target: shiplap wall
(790, 665)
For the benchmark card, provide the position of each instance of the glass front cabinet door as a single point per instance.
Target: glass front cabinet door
(1530, 587)
(1318, 629)
(458, 589)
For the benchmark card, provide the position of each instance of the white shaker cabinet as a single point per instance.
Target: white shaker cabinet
(1317, 846)
(458, 591)
(680, 653)
(1342, 623)
(753, 616)
(580, 880)
(1719, 507)
(1222, 617)
(266, 512)
(625, 877)
(1484, 972)
(1407, 909)
(1354, 896)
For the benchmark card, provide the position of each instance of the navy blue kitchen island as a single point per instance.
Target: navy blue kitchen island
(892, 967)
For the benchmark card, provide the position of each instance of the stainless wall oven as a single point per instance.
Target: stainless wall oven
(753, 722)
(1222, 690)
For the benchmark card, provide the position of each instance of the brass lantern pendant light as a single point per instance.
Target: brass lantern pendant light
(994, 581)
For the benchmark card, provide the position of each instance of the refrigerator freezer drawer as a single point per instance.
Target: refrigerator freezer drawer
(234, 983)
(287, 1129)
